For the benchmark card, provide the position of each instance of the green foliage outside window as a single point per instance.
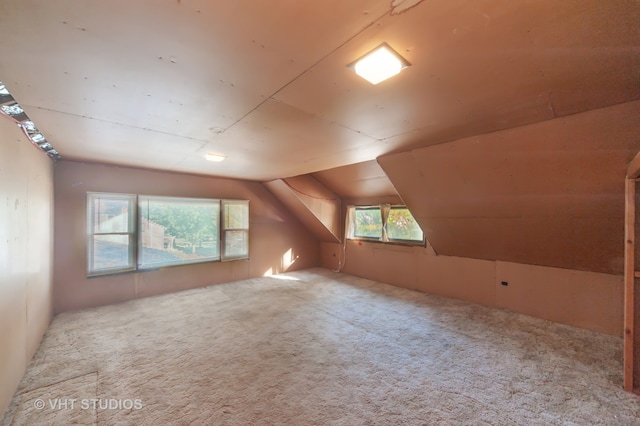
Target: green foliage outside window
(192, 225)
(402, 226)
(368, 223)
(387, 224)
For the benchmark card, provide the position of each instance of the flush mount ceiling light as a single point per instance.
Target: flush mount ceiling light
(380, 64)
(214, 157)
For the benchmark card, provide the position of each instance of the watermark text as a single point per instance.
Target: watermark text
(56, 404)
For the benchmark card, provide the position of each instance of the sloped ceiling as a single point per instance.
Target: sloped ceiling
(159, 83)
(315, 206)
(361, 181)
(549, 193)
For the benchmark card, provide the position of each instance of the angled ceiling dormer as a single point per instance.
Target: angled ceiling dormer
(360, 183)
(316, 207)
(319, 199)
(549, 193)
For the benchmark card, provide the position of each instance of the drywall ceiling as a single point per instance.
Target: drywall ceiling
(160, 83)
(364, 180)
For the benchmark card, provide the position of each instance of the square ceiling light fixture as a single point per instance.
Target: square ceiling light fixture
(379, 64)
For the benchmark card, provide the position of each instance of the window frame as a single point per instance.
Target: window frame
(224, 229)
(176, 200)
(384, 238)
(402, 240)
(366, 237)
(131, 233)
(135, 232)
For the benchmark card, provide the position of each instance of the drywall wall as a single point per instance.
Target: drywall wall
(561, 295)
(26, 232)
(277, 240)
(550, 193)
(582, 299)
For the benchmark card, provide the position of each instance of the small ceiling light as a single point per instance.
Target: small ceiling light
(380, 64)
(215, 157)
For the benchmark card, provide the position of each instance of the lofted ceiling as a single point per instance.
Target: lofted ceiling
(160, 83)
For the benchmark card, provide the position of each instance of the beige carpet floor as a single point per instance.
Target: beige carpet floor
(318, 348)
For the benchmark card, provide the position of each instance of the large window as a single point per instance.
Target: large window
(129, 232)
(177, 230)
(384, 223)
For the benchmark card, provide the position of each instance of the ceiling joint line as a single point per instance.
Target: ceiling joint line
(308, 68)
(117, 124)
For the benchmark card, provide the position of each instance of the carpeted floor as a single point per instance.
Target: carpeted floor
(318, 348)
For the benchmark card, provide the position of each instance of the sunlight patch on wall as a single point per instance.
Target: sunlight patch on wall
(288, 259)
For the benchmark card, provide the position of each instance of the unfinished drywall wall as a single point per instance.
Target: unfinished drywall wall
(577, 298)
(26, 232)
(561, 295)
(550, 193)
(277, 240)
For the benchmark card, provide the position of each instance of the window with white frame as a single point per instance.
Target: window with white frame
(111, 232)
(235, 226)
(137, 232)
(383, 223)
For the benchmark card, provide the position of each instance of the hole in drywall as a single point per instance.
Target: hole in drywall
(399, 6)
(12, 110)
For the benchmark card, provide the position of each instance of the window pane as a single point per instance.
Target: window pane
(402, 226)
(236, 244)
(178, 230)
(110, 214)
(111, 252)
(368, 223)
(236, 214)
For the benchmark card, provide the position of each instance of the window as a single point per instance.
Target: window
(111, 234)
(235, 225)
(368, 222)
(177, 231)
(401, 225)
(384, 223)
(136, 232)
